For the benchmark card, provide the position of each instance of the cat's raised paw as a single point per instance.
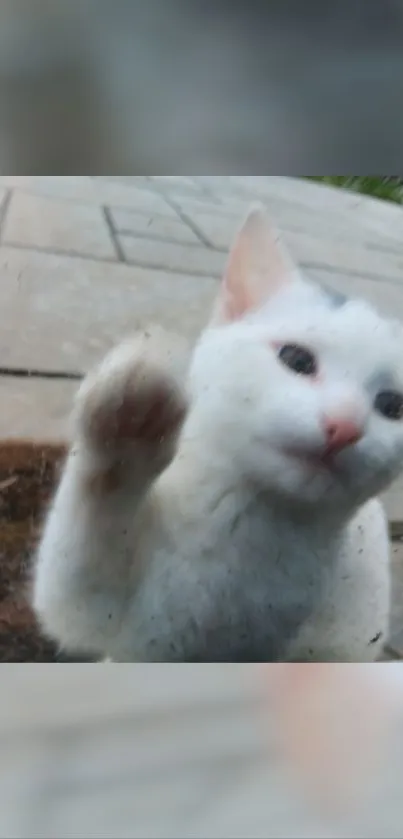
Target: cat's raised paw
(132, 400)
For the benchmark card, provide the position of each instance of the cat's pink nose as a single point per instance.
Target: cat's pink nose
(340, 433)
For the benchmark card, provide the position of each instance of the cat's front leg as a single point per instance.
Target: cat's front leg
(128, 416)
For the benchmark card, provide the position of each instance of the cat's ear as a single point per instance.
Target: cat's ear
(258, 267)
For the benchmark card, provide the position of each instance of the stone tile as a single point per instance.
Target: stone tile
(345, 256)
(343, 226)
(297, 198)
(396, 633)
(382, 218)
(153, 226)
(171, 185)
(75, 188)
(191, 259)
(180, 181)
(42, 222)
(36, 408)
(142, 200)
(192, 207)
(300, 205)
(218, 225)
(219, 230)
(89, 190)
(297, 190)
(222, 185)
(317, 241)
(386, 296)
(63, 313)
(182, 188)
(393, 501)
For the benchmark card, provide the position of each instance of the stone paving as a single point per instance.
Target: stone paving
(85, 260)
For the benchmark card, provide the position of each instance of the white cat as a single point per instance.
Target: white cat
(236, 520)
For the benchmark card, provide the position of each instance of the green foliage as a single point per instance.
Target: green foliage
(389, 188)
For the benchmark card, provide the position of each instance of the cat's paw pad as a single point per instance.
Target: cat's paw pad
(132, 399)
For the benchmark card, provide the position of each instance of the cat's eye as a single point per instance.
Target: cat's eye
(298, 359)
(389, 403)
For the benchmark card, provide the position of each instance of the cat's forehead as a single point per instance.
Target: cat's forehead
(322, 309)
(355, 322)
(333, 322)
(300, 297)
(359, 323)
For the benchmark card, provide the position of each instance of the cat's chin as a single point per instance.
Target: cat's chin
(307, 479)
(341, 483)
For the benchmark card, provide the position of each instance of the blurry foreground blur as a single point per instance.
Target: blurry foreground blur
(112, 86)
(212, 751)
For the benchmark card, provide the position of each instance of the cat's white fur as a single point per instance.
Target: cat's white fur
(181, 530)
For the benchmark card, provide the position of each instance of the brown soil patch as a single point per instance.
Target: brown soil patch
(28, 475)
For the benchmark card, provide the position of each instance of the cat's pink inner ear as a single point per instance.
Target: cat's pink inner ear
(257, 268)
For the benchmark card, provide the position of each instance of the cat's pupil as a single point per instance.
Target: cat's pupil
(389, 403)
(298, 359)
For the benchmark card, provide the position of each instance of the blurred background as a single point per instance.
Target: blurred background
(213, 751)
(213, 87)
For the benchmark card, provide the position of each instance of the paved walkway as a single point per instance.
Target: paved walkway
(85, 260)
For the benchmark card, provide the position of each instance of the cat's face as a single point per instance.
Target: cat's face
(305, 390)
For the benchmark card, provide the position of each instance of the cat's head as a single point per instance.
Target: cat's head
(302, 389)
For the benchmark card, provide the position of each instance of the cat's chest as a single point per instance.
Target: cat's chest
(241, 596)
(260, 559)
